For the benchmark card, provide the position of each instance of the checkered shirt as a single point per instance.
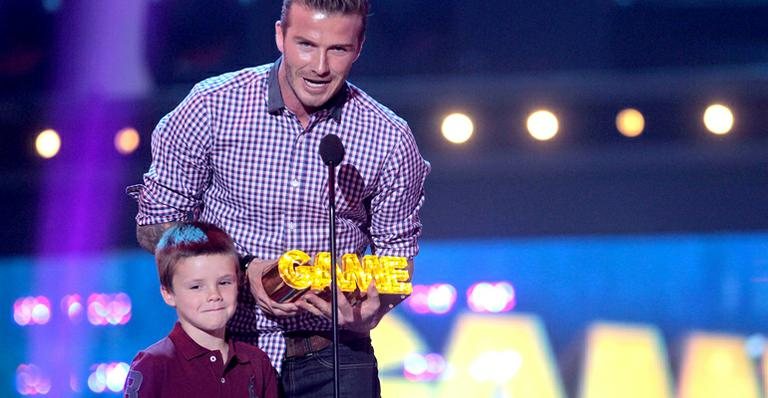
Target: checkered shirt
(233, 155)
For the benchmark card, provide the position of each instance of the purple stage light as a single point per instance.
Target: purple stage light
(99, 72)
(491, 297)
(72, 306)
(31, 380)
(441, 298)
(108, 377)
(418, 367)
(418, 300)
(109, 309)
(432, 299)
(32, 311)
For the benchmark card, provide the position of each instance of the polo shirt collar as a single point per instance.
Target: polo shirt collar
(190, 350)
(275, 103)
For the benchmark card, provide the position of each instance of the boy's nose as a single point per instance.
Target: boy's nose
(215, 295)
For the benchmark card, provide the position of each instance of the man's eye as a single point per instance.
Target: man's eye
(194, 287)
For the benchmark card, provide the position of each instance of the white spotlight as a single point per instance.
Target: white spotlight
(48, 143)
(718, 119)
(457, 128)
(542, 125)
(630, 122)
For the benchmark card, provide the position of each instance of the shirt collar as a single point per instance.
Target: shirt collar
(190, 350)
(275, 102)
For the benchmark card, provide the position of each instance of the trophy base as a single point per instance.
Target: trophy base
(277, 289)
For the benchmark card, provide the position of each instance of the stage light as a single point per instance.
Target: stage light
(432, 299)
(718, 119)
(72, 306)
(630, 122)
(417, 367)
(108, 377)
(109, 309)
(32, 311)
(127, 140)
(48, 143)
(457, 128)
(499, 367)
(440, 298)
(542, 125)
(491, 297)
(31, 380)
(52, 5)
(755, 346)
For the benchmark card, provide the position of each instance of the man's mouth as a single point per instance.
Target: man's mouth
(316, 83)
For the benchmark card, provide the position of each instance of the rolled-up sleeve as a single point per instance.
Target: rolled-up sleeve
(395, 222)
(180, 171)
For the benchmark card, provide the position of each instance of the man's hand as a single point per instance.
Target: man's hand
(149, 235)
(255, 272)
(360, 318)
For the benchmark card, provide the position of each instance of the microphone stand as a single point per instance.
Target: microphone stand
(334, 287)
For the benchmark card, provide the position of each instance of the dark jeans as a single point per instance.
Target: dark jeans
(311, 375)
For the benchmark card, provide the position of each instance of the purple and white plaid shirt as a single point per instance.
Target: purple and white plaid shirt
(235, 156)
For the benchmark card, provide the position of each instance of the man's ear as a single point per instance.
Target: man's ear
(360, 47)
(168, 296)
(279, 35)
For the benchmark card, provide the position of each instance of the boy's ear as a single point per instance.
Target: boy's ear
(168, 296)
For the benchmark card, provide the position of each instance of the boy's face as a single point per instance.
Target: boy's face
(204, 293)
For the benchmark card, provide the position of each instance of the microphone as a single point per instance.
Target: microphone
(331, 150)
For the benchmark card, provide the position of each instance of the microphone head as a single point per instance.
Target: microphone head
(331, 150)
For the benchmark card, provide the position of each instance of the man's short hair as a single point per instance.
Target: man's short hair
(190, 240)
(359, 7)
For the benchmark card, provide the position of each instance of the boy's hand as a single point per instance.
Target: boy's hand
(255, 272)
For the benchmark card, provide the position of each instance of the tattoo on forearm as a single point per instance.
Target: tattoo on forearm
(149, 235)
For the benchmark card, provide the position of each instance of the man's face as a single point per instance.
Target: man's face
(204, 293)
(318, 52)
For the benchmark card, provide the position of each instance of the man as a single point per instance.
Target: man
(241, 152)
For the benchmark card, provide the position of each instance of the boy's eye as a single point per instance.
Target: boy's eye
(227, 282)
(194, 287)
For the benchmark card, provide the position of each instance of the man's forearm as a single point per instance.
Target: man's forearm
(149, 235)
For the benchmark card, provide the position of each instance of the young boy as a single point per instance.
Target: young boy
(199, 273)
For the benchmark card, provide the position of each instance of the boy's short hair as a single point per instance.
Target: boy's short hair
(189, 240)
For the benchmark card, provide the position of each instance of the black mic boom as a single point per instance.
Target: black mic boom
(331, 150)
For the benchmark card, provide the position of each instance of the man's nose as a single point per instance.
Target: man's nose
(321, 64)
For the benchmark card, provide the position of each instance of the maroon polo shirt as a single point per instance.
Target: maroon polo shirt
(176, 366)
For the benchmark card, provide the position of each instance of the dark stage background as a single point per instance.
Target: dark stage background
(657, 242)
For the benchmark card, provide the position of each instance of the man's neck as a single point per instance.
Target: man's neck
(290, 101)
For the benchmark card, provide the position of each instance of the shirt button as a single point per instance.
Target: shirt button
(291, 226)
(213, 358)
(295, 183)
(223, 380)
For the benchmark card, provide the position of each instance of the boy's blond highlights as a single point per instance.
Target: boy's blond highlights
(190, 240)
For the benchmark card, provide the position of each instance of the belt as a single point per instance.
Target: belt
(298, 344)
